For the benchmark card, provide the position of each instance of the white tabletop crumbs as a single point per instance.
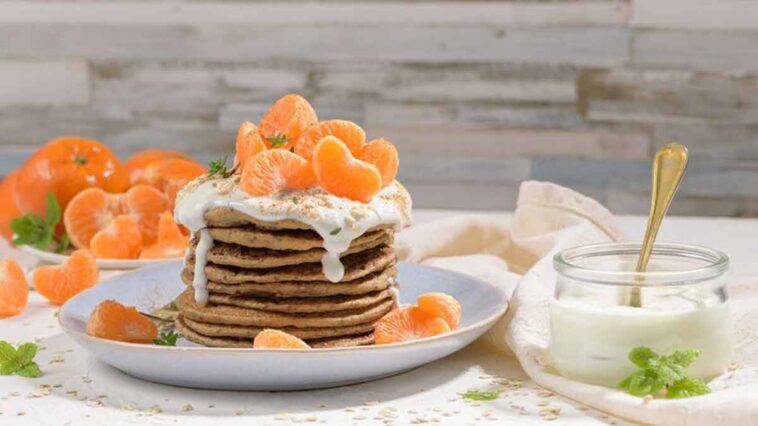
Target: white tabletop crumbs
(79, 391)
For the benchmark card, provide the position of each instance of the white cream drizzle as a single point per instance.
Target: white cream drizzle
(337, 220)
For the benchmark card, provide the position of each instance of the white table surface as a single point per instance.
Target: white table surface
(76, 390)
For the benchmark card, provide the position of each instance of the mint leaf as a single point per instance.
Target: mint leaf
(63, 244)
(642, 356)
(476, 395)
(9, 367)
(7, 352)
(335, 231)
(218, 168)
(684, 358)
(30, 370)
(52, 209)
(686, 387)
(26, 353)
(643, 382)
(166, 338)
(671, 372)
(278, 140)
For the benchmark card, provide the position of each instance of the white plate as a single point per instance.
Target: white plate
(276, 369)
(55, 258)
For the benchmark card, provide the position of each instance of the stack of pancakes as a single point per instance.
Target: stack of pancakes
(269, 275)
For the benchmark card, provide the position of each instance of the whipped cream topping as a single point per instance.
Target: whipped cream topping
(337, 220)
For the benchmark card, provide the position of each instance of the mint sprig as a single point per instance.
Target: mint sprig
(166, 338)
(33, 230)
(19, 361)
(278, 140)
(218, 168)
(658, 372)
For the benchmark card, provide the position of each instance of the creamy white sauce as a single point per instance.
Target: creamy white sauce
(337, 220)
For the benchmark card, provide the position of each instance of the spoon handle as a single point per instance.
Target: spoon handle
(669, 166)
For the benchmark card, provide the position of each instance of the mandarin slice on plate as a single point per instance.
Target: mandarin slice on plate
(114, 321)
(171, 174)
(121, 239)
(441, 305)
(382, 154)
(137, 163)
(14, 290)
(274, 170)
(249, 143)
(58, 283)
(275, 339)
(172, 242)
(407, 324)
(145, 204)
(8, 209)
(346, 131)
(287, 119)
(65, 167)
(339, 173)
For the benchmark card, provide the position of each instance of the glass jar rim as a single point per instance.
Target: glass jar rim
(716, 264)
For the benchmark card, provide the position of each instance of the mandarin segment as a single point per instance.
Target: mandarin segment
(136, 164)
(14, 290)
(287, 120)
(170, 175)
(274, 170)
(145, 204)
(275, 339)
(90, 211)
(441, 305)
(249, 143)
(383, 154)
(65, 167)
(121, 239)
(346, 131)
(8, 209)
(172, 242)
(59, 283)
(341, 174)
(407, 324)
(114, 321)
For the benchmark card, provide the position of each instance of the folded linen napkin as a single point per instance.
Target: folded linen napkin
(516, 252)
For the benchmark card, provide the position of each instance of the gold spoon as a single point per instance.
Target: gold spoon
(669, 165)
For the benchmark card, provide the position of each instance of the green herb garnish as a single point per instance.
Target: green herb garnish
(278, 140)
(477, 395)
(218, 168)
(19, 361)
(657, 372)
(335, 231)
(32, 230)
(167, 338)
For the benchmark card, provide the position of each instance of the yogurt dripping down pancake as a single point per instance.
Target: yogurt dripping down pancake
(217, 202)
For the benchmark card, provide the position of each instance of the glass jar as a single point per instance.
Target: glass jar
(684, 306)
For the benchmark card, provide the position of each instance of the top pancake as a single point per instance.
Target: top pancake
(285, 239)
(226, 217)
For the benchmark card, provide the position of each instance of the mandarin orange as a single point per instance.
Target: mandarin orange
(114, 321)
(271, 171)
(287, 119)
(14, 290)
(8, 209)
(346, 131)
(275, 339)
(341, 174)
(172, 241)
(137, 163)
(249, 143)
(406, 324)
(441, 305)
(58, 283)
(121, 239)
(382, 154)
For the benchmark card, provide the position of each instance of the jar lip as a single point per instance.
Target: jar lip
(716, 261)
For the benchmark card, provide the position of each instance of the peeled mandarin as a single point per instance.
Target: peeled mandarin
(346, 131)
(14, 290)
(249, 143)
(407, 324)
(121, 239)
(286, 121)
(382, 154)
(441, 305)
(58, 283)
(114, 321)
(341, 174)
(275, 339)
(272, 171)
(172, 241)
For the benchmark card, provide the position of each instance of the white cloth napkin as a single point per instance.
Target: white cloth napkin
(516, 253)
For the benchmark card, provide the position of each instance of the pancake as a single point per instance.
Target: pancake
(226, 217)
(356, 265)
(242, 332)
(367, 284)
(285, 239)
(223, 314)
(231, 342)
(247, 257)
(302, 304)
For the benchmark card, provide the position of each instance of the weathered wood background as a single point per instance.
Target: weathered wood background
(477, 95)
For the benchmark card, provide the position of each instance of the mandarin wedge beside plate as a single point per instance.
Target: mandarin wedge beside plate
(197, 366)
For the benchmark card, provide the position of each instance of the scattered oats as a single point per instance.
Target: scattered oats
(647, 398)
(187, 407)
(544, 393)
(359, 417)
(349, 409)
(543, 403)
(126, 406)
(732, 367)
(583, 408)
(15, 394)
(58, 385)
(103, 396)
(311, 419)
(21, 413)
(550, 417)
(94, 403)
(155, 409)
(371, 403)
(281, 416)
(72, 393)
(86, 379)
